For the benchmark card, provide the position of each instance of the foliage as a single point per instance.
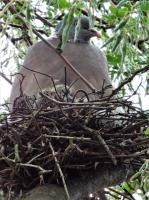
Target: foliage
(137, 187)
(124, 26)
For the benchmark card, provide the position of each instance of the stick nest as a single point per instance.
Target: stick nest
(53, 138)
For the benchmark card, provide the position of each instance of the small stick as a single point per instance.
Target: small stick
(102, 141)
(67, 137)
(93, 89)
(60, 171)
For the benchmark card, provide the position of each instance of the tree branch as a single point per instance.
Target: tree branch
(142, 70)
(6, 79)
(68, 64)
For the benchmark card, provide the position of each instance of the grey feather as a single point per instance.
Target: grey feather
(86, 58)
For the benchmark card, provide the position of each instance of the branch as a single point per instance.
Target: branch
(143, 70)
(7, 6)
(68, 64)
(60, 171)
(43, 20)
(6, 79)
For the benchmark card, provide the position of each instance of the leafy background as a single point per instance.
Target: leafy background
(124, 26)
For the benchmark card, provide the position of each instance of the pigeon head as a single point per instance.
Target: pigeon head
(84, 34)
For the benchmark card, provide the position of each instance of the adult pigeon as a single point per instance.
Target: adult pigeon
(85, 57)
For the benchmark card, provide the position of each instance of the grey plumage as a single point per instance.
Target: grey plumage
(84, 34)
(86, 58)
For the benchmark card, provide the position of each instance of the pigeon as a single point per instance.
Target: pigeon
(42, 62)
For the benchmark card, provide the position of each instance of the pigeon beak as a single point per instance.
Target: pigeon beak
(95, 33)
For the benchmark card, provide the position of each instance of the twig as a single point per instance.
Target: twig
(68, 64)
(51, 46)
(80, 91)
(60, 171)
(34, 166)
(46, 22)
(34, 158)
(102, 141)
(128, 193)
(78, 104)
(119, 193)
(4, 77)
(143, 70)
(67, 137)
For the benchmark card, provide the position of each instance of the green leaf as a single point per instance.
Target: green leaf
(146, 183)
(60, 4)
(135, 184)
(124, 51)
(16, 20)
(119, 11)
(121, 3)
(28, 13)
(122, 11)
(114, 58)
(126, 186)
(147, 131)
(144, 6)
(77, 29)
(63, 4)
(121, 24)
(49, 13)
(108, 41)
(117, 42)
(2, 116)
(135, 176)
(65, 27)
(113, 10)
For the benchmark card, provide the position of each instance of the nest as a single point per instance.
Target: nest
(52, 138)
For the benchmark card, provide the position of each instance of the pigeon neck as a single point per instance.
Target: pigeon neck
(71, 40)
(78, 41)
